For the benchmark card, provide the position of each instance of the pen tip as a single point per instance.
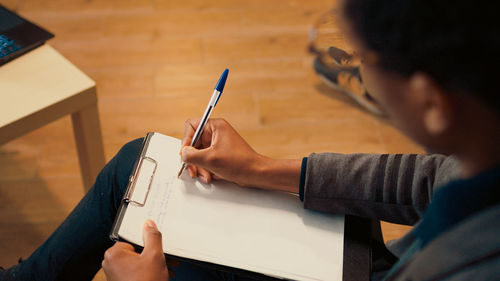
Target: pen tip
(181, 170)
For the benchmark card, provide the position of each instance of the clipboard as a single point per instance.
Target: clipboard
(142, 191)
(132, 183)
(145, 176)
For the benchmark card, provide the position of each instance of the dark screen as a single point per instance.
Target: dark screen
(8, 20)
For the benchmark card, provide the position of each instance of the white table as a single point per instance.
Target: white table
(42, 86)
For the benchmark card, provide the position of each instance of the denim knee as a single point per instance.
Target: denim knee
(124, 162)
(113, 179)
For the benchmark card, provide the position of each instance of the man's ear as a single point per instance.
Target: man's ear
(435, 104)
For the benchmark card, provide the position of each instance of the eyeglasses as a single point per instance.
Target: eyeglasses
(325, 34)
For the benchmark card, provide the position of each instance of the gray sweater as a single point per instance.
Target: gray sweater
(398, 188)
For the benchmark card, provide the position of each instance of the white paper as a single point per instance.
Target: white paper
(253, 229)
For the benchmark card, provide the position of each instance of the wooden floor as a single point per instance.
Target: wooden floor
(155, 63)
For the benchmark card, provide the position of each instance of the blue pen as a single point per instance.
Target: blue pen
(211, 104)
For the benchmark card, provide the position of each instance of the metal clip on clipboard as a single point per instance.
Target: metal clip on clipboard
(138, 186)
(140, 182)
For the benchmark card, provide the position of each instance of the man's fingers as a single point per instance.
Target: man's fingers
(216, 177)
(192, 171)
(115, 252)
(204, 175)
(189, 129)
(124, 246)
(193, 156)
(152, 239)
(173, 263)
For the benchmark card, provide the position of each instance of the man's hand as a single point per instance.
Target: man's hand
(221, 153)
(122, 263)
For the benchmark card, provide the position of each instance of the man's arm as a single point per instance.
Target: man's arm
(390, 187)
(395, 188)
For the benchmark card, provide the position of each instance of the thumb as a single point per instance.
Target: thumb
(152, 239)
(193, 156)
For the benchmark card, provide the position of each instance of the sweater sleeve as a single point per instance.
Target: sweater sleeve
(390, 187)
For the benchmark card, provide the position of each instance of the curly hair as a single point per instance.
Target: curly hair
(455, 42)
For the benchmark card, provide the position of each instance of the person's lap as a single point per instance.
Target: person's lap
(76, 249)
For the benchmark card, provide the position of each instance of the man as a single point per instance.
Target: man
(422, 66)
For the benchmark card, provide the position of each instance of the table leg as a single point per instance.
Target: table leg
(88, 137)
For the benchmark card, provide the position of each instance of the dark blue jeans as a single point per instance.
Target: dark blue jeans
(76, 249)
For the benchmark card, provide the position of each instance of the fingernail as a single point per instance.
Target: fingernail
(203, 179)
(150, 224)
(182, 153)
(191, 174)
